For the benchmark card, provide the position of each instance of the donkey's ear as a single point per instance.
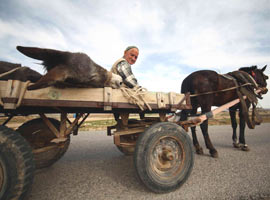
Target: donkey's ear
(264, 68)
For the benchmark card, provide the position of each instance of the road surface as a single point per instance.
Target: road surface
(93, 168)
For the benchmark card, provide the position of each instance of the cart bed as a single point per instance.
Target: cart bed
(16, 99)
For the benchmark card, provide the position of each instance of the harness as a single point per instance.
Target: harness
(240, 77)
(244, 86)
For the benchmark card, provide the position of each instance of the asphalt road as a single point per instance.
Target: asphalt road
(93, 168)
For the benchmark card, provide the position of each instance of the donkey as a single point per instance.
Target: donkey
(17, 72)
(67, 69)
(214, 89)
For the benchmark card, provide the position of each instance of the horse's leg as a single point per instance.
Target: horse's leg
(183, 116)
(242, 125)
(204, 127)
(232, 112)
(198, 148)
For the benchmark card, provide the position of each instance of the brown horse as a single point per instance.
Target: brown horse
(215, 90)
(67, 69)
(17, 72)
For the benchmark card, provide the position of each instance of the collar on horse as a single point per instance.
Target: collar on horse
(240, 77)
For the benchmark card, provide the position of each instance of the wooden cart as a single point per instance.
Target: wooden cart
(163, 154)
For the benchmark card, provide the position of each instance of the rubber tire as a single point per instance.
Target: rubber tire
(146, 142)
(47, 158)
(16, 163)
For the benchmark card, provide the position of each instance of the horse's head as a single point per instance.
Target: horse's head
(258, 76)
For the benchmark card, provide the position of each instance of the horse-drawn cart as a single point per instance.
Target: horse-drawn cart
(163, 154)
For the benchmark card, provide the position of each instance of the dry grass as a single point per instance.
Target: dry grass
(101, 121)
(223, 118)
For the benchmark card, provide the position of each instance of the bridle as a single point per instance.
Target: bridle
(263, 90)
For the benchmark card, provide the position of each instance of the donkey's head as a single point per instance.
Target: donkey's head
(114, 80)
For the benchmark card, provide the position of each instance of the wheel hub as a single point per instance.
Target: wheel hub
(167, 156)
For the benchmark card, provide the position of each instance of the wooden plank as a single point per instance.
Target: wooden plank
(125, 144)
(63, 124)
(50, 125)
(72, 125)
(129, 131)
(107, 98)
(116, 139)
(85, 97)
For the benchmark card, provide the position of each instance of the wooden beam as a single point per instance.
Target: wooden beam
(50, 125)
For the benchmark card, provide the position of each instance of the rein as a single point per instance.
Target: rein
(224, 90)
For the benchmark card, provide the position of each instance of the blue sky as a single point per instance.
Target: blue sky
(175, 37)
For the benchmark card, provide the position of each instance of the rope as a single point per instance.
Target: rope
(9, 72)
(135, 96)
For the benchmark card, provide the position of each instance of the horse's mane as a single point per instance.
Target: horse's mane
(247, 69)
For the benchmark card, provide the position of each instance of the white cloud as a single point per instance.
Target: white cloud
(202, 34)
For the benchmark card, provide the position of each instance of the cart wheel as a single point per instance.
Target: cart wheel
(16, 165)
(130, 139)
(39, 136)
(164, 157)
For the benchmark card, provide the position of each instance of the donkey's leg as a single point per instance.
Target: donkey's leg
(242, 125)
(56, 74)
(232, 112)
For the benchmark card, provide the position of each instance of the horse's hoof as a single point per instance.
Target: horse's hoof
(199, 150)
(236, 145)
(244, 147)
(214, 153)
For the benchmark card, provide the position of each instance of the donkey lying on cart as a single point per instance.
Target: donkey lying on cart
(207, 89)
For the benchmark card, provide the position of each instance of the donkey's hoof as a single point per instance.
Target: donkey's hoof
(236, 145)
(244, 147)
(214, 153)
